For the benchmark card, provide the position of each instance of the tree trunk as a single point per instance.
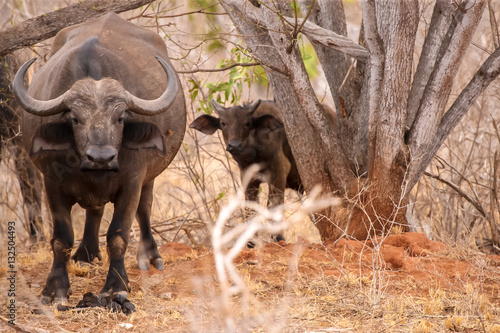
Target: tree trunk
(48, 25)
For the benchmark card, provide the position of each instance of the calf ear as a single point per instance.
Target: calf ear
(143, 136)
(51, 137)
(266, 123)
(206, 124)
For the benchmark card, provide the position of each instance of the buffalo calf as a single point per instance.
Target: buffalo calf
(254, 134)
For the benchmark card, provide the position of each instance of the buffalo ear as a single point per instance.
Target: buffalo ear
(52, 137)
(143, 136)
(206, 124)
(266, 123)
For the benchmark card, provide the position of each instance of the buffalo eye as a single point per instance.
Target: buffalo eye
(74, 121)
(223, 124)
(247, 124)
(120, 120)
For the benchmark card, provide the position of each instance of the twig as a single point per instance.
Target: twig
(201, 70)
(475, 203)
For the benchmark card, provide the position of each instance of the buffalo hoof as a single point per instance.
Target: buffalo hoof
(148, 254)
(115, 303)
(117, 281)
(158, 263)
(59, 295)
(86, 254)
(278, 238)
(144, 264)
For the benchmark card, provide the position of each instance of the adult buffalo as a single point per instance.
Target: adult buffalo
(102, 121)
(254, 134)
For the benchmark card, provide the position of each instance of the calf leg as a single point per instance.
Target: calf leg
(251, 194)
(277, 185)
(276, 198)
(89, 247)
(57, 285)
(252, 190)
(148, 250)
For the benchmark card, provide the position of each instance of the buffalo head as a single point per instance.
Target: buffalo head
(238, 124)
(94, 115)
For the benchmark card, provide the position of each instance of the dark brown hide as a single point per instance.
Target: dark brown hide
(254, 134)
(101, 148)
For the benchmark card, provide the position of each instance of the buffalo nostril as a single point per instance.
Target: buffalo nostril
(234, 145)
(101, 154)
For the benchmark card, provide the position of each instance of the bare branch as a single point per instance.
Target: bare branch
(47, 25)
(199, 11)
(238, 64)
(464, 195)
(494, 202)
(493, 25)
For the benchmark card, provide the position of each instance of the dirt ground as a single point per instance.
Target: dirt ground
(401, 284)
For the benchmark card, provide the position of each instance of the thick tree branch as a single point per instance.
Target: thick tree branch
(314, 33)
(328, 38)
(47, 25)
(398, 41)
(489, 71)
(316, 116)
(344, 82)
(440, 22)
(375, 76)
(436, 94)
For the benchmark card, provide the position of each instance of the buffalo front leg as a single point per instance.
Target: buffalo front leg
(57, 286)
(148, 250)
(117, 283)
(88, 249)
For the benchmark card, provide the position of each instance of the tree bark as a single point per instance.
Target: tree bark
(48, 25)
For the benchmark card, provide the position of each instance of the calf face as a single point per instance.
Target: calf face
(238, 125)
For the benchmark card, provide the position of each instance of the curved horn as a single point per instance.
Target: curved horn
(162, 103)
(218, 108)
(28, 103)
(253, 107)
